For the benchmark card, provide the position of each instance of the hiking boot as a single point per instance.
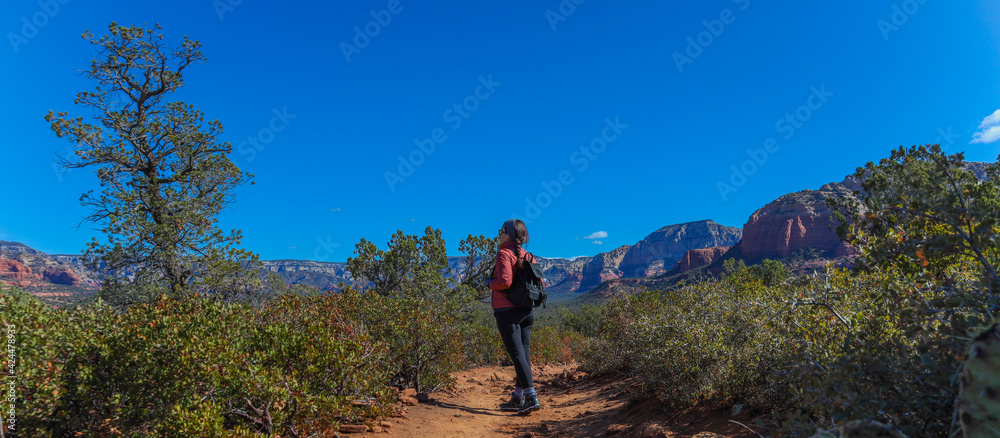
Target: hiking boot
(513, 405)
(529, 404)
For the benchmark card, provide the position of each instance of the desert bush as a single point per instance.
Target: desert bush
(554, 345)
(880, 345)
(704, 340)
(815, 350)
(296, 366)
(423, 338)
(585, 320)
(551, 340)
(481, 340)
(43, 339)
(306, 364)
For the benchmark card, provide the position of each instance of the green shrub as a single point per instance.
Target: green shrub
(585, 320)
(701, 341)
(44, 340)
(194, 366)
(219, 369)
(816, 350)
(481, 341)
(423, 339)
(553, 345)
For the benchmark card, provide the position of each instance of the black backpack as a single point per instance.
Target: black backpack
(527, 288)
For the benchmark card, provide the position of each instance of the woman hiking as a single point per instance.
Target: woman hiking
(514, 322)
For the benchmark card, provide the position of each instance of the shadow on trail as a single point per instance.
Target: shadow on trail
(471, 410)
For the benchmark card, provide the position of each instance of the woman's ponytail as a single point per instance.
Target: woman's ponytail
(517, 232)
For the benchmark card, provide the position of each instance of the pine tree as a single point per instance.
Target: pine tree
(165, 176)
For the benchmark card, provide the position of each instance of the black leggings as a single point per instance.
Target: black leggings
(515, 330)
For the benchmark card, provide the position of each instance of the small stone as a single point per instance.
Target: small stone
(353, 428)
(410, 401)
(408, 392)
(385, 424)
(377, 429)
(616, 429)
(654, 431)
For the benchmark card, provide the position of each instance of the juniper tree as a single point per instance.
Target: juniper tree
(922, 211)
(415, 266)
(164, 174)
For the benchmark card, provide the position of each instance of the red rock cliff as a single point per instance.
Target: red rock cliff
(659, 251)
(602, 267)
(697, 258)
(14, 272)
(62, 276)
(793, 222)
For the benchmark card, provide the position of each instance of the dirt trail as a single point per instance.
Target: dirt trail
(573, 405)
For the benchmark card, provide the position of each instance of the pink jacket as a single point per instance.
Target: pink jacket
(503, 274)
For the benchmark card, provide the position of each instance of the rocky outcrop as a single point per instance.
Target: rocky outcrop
(321, 275)
(285, 266)
(63, 276)
(16, 273)
(796, 221)
(660, 250)
(654, 255)
(603, 267)
(569, 284)
(697, 258)
(49, 270)
(563, 276)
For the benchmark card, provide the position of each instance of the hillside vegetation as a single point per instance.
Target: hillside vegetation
(877, 348)
(295, 366)
(874, 352)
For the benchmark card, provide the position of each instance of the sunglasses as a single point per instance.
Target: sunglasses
(502, 231)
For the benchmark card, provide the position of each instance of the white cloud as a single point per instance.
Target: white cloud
(598, 242)
(335, 209)
(989, 129)
(989, 135)
(598, 235)
(992, 119)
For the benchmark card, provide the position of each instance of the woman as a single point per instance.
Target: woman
(514, 322)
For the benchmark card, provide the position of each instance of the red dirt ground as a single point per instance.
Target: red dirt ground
(573, 405)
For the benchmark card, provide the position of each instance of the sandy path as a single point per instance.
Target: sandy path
(572, 406)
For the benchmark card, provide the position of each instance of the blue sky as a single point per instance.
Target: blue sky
(612, 118)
